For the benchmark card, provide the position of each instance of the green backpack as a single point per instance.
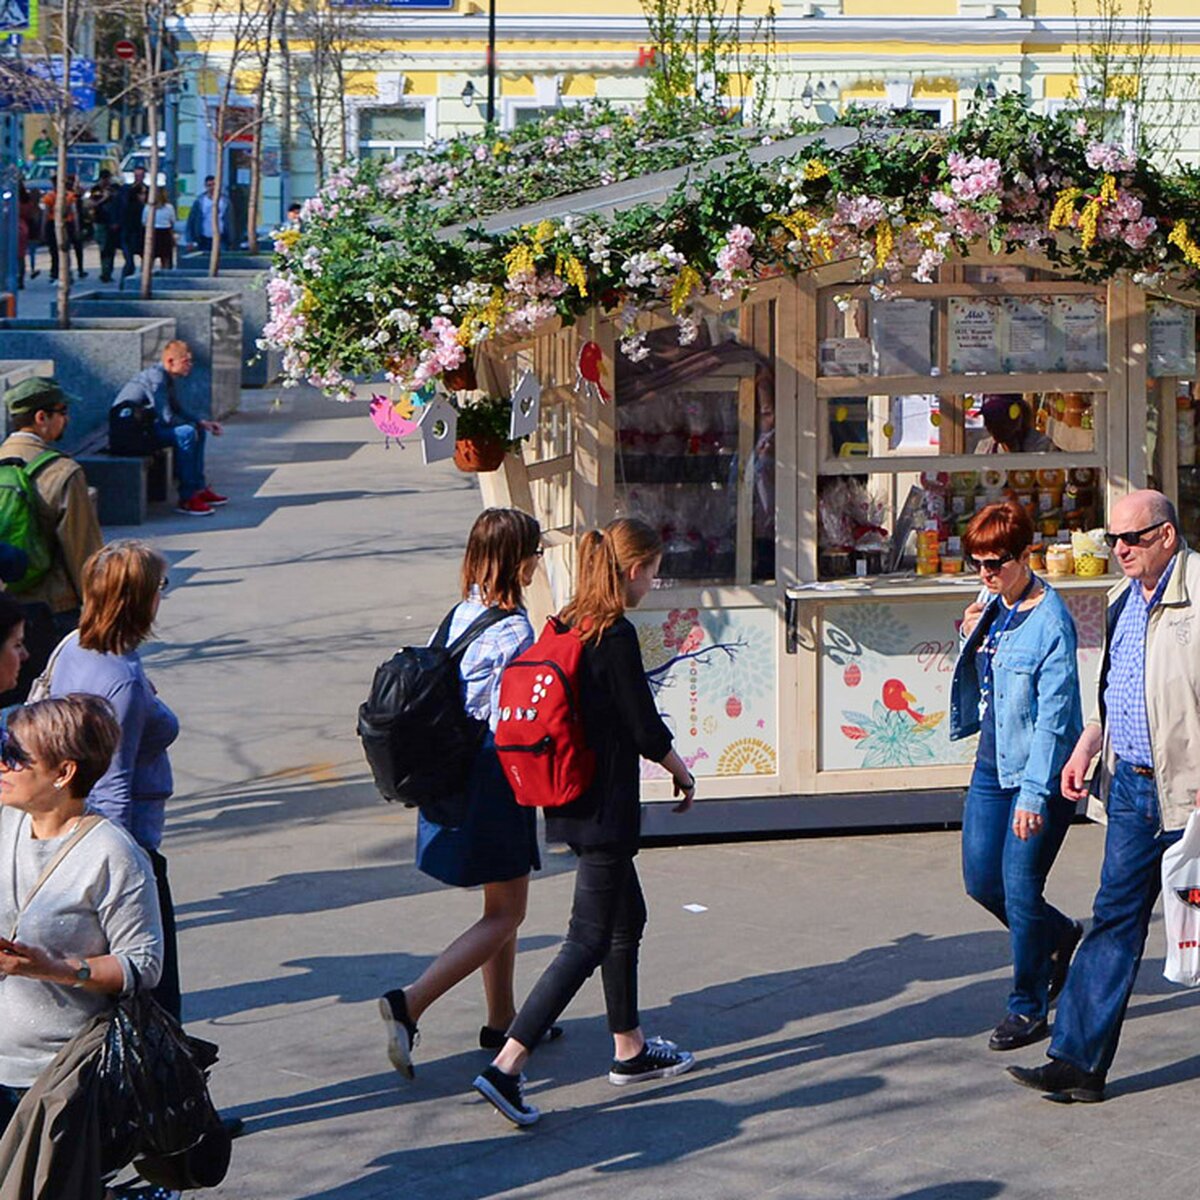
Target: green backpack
(19, 524)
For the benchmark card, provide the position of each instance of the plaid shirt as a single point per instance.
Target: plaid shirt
(1125, 695)
(488, 655)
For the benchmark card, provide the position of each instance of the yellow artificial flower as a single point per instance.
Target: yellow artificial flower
(815, 169)
(574, 272)
(1108, 191)
(1181, 238)
(885, 241)
(520, 260)
(289, 237)
(1064, 207)
(687, 282)
(1089, 222)
(541, 235)
(499, 148)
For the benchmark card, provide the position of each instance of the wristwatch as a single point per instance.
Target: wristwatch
(82, 973)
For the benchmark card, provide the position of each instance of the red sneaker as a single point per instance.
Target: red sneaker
(195, 506)
(213, 498)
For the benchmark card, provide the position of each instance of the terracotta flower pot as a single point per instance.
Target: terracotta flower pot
(461, 378)
(475, 455)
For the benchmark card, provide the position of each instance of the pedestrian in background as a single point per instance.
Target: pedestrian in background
(38, 413)
(208, 218)
(496, 846)
(616, 569)
(163, 213)
(1016, 684)
(103, 203)
(123, 584)
(71, 220)
(130, 202)
(1147, 734)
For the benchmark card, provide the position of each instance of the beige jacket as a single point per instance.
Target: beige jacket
(1172, 694)
(68, 520)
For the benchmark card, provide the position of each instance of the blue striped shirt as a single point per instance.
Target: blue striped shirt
(487, 656)
(1125, 693)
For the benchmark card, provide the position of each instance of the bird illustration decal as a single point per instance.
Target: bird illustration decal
(394, 419)
(897, 698)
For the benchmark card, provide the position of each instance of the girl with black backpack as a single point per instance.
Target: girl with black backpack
(496, 845)
(616, 568)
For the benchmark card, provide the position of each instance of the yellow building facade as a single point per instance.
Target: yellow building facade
(412, 73)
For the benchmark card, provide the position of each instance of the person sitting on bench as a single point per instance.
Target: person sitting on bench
(174, 426)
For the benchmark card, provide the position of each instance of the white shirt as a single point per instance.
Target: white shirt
(164, 216)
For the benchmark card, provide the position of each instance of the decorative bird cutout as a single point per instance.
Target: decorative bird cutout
(394, 419)
(898, 698)
(591, 368)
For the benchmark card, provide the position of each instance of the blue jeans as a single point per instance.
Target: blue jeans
(1092, 1005)
(1008, 877)
(188, 441)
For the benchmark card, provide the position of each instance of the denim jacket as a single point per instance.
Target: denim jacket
(1035, 691)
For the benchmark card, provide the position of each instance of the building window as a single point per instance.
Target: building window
(935, 112)
(385, 132)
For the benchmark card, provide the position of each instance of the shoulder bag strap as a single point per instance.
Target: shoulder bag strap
(443, 632)
(86, 824)
(40, 688)
(493, 616)
(43, 460)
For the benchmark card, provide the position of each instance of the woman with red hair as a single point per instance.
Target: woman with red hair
(1016, 684)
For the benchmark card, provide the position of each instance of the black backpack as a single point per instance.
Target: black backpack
(131, 429)
(417, 735)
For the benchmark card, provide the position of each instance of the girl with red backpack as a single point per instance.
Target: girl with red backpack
(496, 845)
(616, 568)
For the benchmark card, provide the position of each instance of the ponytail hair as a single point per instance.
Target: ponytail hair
(605, 556)
(500, 541)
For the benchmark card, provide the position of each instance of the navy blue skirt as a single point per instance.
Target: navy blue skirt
(496, 842)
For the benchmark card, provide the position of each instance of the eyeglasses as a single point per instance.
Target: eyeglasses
(164, 583)
(58, 410)
(989, 564)
(1134, 536)
(12, 756)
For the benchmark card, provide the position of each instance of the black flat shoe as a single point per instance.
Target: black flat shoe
(493, 1039)
(1060, 961)
(1061, 1082)
(1016, 1031)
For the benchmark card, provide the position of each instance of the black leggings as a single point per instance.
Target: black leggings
(608, 915)
(167, 991)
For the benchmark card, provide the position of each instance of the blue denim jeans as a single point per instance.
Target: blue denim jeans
(188, 441)
(1092, 1005)
(1008, 877)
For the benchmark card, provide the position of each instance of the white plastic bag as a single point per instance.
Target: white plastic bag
(1181, 906)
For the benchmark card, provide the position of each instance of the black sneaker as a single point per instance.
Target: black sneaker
(493, 1039)
(503, 1092)
(1060, 960)
(1016, 1031)
(1062, 1082)
(657, 1059)
(401, 1031)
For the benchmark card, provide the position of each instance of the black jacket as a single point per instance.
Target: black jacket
(623, 725)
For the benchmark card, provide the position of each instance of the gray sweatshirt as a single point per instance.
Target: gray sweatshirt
(100, 900)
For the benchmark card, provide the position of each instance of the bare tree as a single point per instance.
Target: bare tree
(150, 82)
(336, 43)
(263, 53)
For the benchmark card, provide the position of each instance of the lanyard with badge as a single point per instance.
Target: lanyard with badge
(991, 640)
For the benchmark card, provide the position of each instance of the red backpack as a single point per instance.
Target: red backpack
(540, 737)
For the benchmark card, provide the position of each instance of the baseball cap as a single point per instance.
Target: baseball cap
(32, 395)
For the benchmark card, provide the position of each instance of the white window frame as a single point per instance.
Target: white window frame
(943, 108)
(356, 105)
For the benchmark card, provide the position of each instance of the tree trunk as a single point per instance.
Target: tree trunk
(285, 114)
(214, 257)
(152, 13)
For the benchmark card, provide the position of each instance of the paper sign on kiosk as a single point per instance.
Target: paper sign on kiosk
(439, 427)
(526, 406)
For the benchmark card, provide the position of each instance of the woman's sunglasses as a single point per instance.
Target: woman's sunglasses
(12, 756)
(989, 564)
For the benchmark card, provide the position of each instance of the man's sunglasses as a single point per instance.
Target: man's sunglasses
(1134, 536)
(989, 564)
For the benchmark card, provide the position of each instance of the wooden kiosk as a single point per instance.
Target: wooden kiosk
(811, 459)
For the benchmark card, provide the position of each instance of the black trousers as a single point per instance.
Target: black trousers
(608, 915)
(10, 1097)
(167, 992)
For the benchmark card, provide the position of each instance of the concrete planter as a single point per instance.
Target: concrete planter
(259, 367)
(231, 260)
(211, 324)
(92, 360)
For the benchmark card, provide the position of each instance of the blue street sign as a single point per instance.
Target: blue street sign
(83, 80)
(14, 14)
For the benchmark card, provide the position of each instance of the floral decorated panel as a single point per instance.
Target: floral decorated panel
(885, 677)
(714, 673)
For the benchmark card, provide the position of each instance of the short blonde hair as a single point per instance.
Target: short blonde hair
(120, 582)
(78, 728)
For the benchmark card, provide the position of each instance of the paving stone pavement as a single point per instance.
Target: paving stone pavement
(837, 991)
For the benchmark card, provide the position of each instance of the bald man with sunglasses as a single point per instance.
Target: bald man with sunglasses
(1147, 734)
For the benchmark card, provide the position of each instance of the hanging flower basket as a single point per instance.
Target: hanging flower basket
(475, 455)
